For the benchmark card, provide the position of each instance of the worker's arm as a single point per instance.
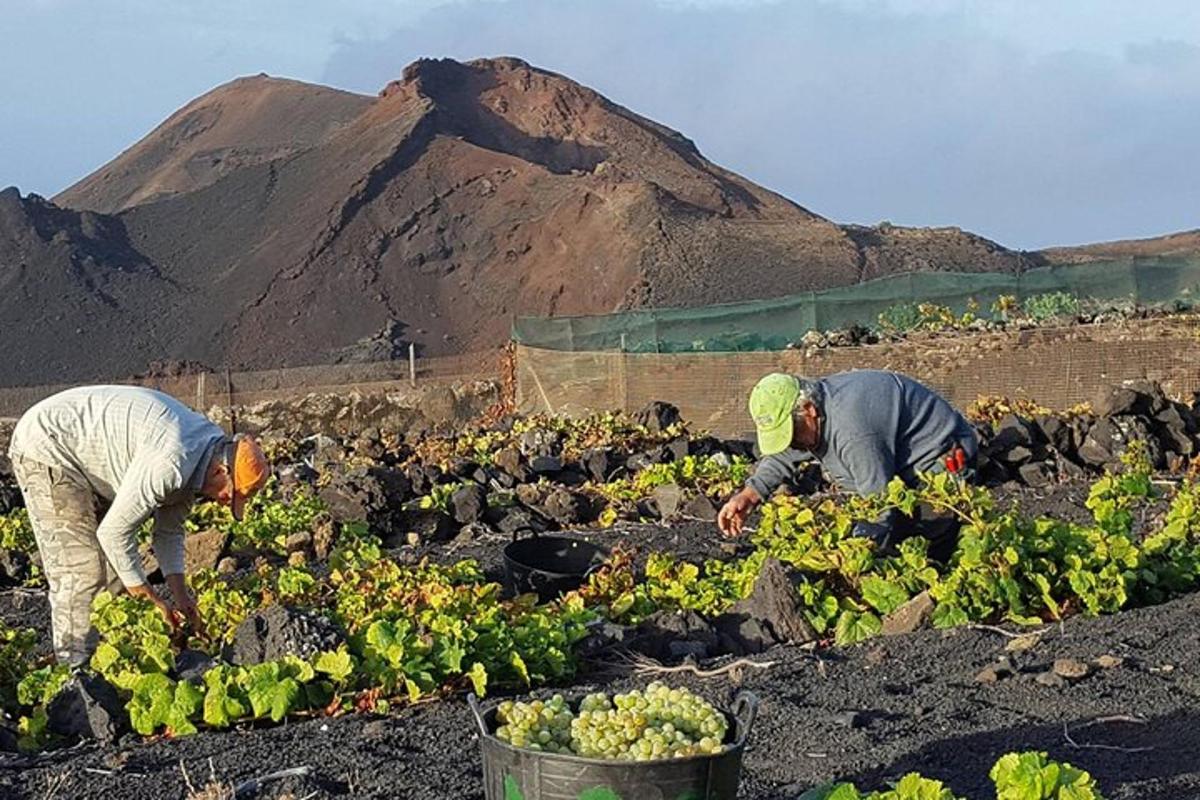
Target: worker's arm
(872, 466)
(146, 486)
(772, 471)
(769, 474)
(168, 536)
(169, 549)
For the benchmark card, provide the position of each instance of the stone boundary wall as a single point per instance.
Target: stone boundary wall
(227, 388)
(1057, 367)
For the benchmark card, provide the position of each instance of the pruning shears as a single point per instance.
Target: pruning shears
(956, 460)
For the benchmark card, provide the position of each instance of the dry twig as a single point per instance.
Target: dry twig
(1090, 746)
(643, 665)
(1010, 634)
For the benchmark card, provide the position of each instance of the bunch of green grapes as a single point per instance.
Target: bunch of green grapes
(660, 722)
(538, 725)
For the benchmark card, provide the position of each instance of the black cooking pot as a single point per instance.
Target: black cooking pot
(549, 565)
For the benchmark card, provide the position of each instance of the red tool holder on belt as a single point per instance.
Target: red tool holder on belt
(956, 460)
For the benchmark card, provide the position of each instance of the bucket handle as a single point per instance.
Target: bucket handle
(745, 709)
(473, 704)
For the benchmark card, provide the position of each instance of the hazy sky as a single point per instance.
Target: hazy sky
(1033, 122)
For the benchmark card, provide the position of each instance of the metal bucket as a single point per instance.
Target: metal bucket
(513, 773)
(549, 565)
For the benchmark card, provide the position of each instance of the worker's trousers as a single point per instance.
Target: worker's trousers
(62, 511)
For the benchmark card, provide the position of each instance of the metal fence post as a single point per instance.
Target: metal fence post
(412, 364)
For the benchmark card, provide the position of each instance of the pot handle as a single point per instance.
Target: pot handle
(473, 704)
(516, 534)
(745, 709)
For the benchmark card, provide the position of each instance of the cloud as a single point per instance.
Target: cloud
(865, 111)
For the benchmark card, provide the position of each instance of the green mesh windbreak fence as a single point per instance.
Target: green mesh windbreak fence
(773, 324)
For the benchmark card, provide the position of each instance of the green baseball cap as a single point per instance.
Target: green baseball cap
(771, 404)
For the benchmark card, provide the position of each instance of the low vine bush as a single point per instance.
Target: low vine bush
(1016, 776)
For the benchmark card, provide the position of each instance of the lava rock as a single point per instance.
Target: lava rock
(8, 736)
(1015, 431)
(668, 498)
(375, 495)
(87, 707)
(567, 508)
(677, 449)
(540, 442)
(699, 507)
(654, 636)
(1133, 397)
(298, 542)
(1036, 474)
(911, 616)
(190, 665)
(15, 567)
(994, 673)
(469, 504)
(10, 497)
(656, 416)
(1057, 432)
(1051, 680)
(275, 631)
(428, 523)
(1109, 437)
(774, 606)
(511, 462)
(545, 465)
(529, 494)
(601, 464)
(1071, 668)
(514, 520)
(604, 636)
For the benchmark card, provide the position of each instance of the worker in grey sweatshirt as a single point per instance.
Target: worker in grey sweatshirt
(866, 427)
(142, 454)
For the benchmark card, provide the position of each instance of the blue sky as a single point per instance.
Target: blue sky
(1034, 122)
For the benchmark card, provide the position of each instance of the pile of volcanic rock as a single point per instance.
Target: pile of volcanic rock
(542, 486)
(1047, 448)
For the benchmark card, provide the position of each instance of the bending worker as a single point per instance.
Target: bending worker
(866, 427)
(143, 453)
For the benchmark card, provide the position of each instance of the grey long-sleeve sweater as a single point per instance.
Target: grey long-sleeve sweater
(143, 450)
(875, 425)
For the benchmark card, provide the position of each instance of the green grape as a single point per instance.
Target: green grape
(658, 722)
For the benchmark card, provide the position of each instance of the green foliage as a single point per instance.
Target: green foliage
(1017, 776)
(296, 584)
(134, 640)
(39, 686)
(16, 533)
(268, 520)
(439, 497)
(16, 660)
(708, 475)
(1052, 305)
(159, 702)
(1031, 776)
(224, 605)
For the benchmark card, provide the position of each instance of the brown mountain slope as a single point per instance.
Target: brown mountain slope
(247, 121)
(461, 196)
(1184, 242)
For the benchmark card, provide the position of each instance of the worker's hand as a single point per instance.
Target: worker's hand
(191, 613)
(732, 515)
(185, 604)
(144, 591)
